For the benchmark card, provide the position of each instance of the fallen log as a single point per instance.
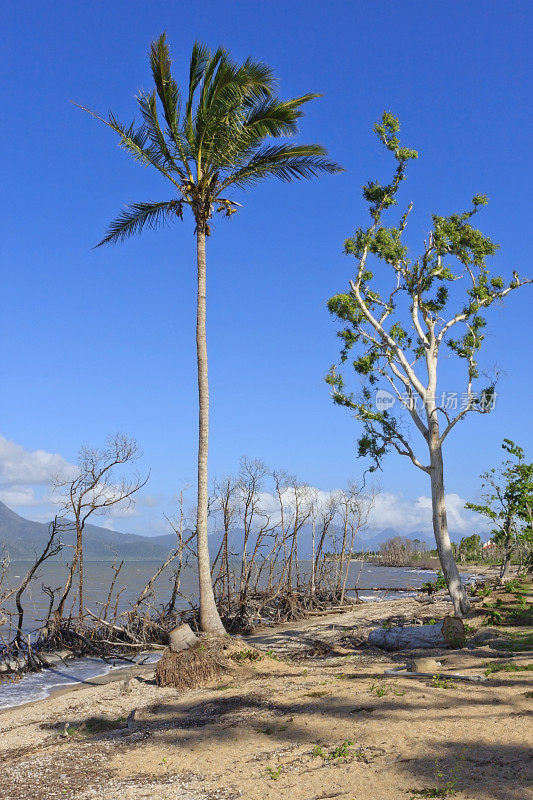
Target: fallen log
(402, 672)
(391, 589)
(447, 633)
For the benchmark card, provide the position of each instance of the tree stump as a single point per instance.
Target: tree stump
(453, 630)
(181, 638)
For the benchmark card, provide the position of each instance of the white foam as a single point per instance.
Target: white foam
(38, 685)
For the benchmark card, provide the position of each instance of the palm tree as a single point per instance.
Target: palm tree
(211, 141)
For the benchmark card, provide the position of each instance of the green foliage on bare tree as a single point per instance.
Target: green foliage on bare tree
(398, 331)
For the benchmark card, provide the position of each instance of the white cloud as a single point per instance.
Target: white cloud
(390, 510)
(148, 500)
(123, 512)
(25, 478)
(19, 496)
(21, 467)
(406, 516)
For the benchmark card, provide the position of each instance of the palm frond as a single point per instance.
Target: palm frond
(272, 117)
(286, 162)
(260, 78)
(166, 86)
(135, 217)
(134, 141)
(148, 106)
(199, 60)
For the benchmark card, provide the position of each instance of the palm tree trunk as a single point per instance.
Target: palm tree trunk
(210, 621)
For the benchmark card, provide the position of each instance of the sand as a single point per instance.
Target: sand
(279, 729)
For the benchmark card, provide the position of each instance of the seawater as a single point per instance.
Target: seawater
(38, 685)
(134, 576)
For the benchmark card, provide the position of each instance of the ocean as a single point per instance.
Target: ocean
(133, 577)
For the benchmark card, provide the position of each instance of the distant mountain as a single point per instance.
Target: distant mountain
(23, 539)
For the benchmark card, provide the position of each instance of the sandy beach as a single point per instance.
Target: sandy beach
(318, 720)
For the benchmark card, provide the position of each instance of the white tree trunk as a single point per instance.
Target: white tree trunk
(461, 603)
(210, 621)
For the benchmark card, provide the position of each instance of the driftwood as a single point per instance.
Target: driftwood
(405, 673)
(448, 633)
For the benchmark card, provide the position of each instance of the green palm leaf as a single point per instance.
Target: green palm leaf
(166, 86)
(135, 217)
(224, 138)
(286, 162)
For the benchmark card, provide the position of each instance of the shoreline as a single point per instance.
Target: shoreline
(120, 673)
(263, 632)
(322, 691)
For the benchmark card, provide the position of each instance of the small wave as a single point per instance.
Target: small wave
(38, 685)
(422, 571)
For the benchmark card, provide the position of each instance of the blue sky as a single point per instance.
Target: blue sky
(97, 341)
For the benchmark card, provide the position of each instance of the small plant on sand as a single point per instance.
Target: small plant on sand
(493, 617)
(521, 599)
(274, 773)
(443, 683)
(515, 585)
(508, 667)
(343, 752)
(443, 790)
(431, 587)
(448, 790)
(517, 641)
(381, 689)
(247, 655)
(271, 654)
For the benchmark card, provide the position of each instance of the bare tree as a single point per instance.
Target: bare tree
(52, 547)
(355, 508)
(225, 500)
(93, 491)
(322, 522)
